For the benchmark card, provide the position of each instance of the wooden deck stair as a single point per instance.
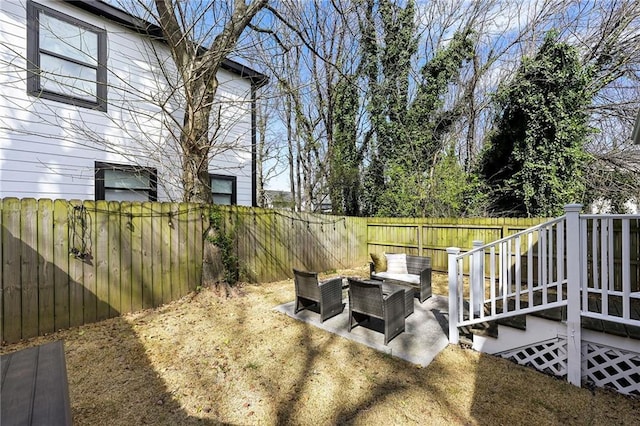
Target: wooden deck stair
(490, 328)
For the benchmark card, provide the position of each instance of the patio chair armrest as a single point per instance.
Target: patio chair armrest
(332, 283)
(425, 284)
(394, 304)
(393, 315)
(331, 292)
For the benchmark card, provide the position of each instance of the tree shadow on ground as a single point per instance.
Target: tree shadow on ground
(111, 380)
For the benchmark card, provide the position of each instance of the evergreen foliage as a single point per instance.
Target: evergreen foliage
(344, 180)
(387, 66)
(408, 133)
(217, 236)
(534, 159)
(453, 192)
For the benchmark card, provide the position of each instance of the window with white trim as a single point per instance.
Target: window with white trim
(66, 58)
(117, 182)
(223, 189)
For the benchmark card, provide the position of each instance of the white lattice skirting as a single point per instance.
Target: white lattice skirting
(611, 367)
(549, 356)
(603, 365)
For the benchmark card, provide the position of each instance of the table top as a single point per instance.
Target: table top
(34, 389)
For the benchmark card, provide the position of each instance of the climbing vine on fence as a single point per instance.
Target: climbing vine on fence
(224, 241)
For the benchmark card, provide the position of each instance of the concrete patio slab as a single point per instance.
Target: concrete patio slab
(424, 337)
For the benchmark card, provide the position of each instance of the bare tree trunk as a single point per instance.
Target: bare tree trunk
(195, 141)
(198, 67)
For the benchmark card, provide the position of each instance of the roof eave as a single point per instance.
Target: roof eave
(100, 8)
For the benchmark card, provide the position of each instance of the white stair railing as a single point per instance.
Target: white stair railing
(517, 275)
(588, 263)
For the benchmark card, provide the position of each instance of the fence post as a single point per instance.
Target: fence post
(574, 329)
(453, 252)
(477, 278)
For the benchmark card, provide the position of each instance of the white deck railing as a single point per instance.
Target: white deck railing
(516, 275)
(589, 263)
(610, 271)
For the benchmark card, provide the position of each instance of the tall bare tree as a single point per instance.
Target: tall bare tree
(309, 48)
(198, 65)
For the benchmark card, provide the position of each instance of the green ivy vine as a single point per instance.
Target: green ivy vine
(224, 241)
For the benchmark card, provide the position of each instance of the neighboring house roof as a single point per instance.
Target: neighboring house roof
(100, 8)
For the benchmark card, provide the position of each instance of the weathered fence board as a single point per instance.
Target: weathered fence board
(101, 259)
(61, 264)
(29, 266)
(126, 256)
(46, 288)
(67, 263)
(137, 279)
(90, 300)
(11, 277)
(183, 255)
(165, 239)
(114, 269)
(147, 254)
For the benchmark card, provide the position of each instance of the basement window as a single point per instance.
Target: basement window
(223, 189)
(116, 182)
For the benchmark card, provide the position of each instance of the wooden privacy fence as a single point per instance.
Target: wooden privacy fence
(431, 236)
(67, 263)
(269, 243)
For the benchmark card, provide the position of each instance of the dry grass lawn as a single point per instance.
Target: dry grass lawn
(209, 360)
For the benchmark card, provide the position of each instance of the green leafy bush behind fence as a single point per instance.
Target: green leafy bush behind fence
(67, 263)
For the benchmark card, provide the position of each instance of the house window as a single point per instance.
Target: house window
(223, 189)
(115, 182)
(66, 58)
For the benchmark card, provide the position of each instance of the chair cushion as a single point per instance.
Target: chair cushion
(409, 278)
(379, 262)
(396, 263)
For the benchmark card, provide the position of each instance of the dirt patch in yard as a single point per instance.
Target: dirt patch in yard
(205, 359)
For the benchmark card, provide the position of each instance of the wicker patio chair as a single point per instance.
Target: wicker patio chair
(327, 295)
(367, 300)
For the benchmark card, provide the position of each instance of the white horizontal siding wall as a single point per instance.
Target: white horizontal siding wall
(48, 149)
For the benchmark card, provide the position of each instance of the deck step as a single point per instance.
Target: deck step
(519, 322)
(558, 314)
(487, 329)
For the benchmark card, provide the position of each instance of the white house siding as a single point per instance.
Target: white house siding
(48, 149)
